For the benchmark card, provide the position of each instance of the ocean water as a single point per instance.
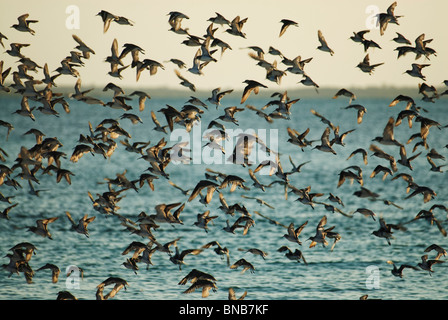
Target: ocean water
(357, 265)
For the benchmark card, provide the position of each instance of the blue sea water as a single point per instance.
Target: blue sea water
(357, 265)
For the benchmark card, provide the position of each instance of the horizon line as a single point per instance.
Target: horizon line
(362, 91)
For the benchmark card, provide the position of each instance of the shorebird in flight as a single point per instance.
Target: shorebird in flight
(245, 264)
(217, 95)
(85, 49)
(325, 145)
(381, 169)
(388, 134)
(229, 113)
(195, 275)
(55, 271)
(416, 71)
(209, 185)
(232, 295)
(297, 65)
(428, 215)
(307, 81)
(323, 43)
(3, 75)
(251, 85)
(203, 219)
(219, 250)
(385, 230)
(257, 183)
(401, 39)
(398, 272)
(285, 24)
(25, 109)
(293, 233)
(295, 255)
(219, 19)
(175, 20)
(42, 227)
(178, 257)
(363, 153)
(440, 251)
(404, 160)
(428, 193)
(387, 17)
(184, 82)
(403, 98)
(81, 226)
(118, 283)
(339, 138)
(366, 213)
(204, 284)
(427, 264)
(23, 24)
(255, 251)
(233, 181)
(236, 27)
(365, 65)
(260, 113)
(346, 93)
(320, 235)
(107, 18)
(5, 213)
(359, 36)
(434, 167)
(9, 127)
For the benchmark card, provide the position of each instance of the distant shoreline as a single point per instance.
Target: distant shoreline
(324, 93)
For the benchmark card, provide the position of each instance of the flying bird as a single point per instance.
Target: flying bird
(320, 235)
(387, 17)
(251, 85)
(293, 233)
(217, 95)
(285, 24)
(323, 43)
(346, 93)
(184, 82)
(398, 272)
(365, 65)
(42, 227)
(23, 24)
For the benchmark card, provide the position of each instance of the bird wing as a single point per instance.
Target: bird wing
(49, 220)
(246, 92)
(322, 223)
(321, 38)
(388, 132)
(70, 218)
(291, 231)
(300, 228)
(253, 177)
(431, 162)
(199, 186)
(440, 227)
(189, 251)
(223, 201)
(325, 137)
(232, 295)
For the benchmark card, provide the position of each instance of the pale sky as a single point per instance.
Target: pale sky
(336, 19)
